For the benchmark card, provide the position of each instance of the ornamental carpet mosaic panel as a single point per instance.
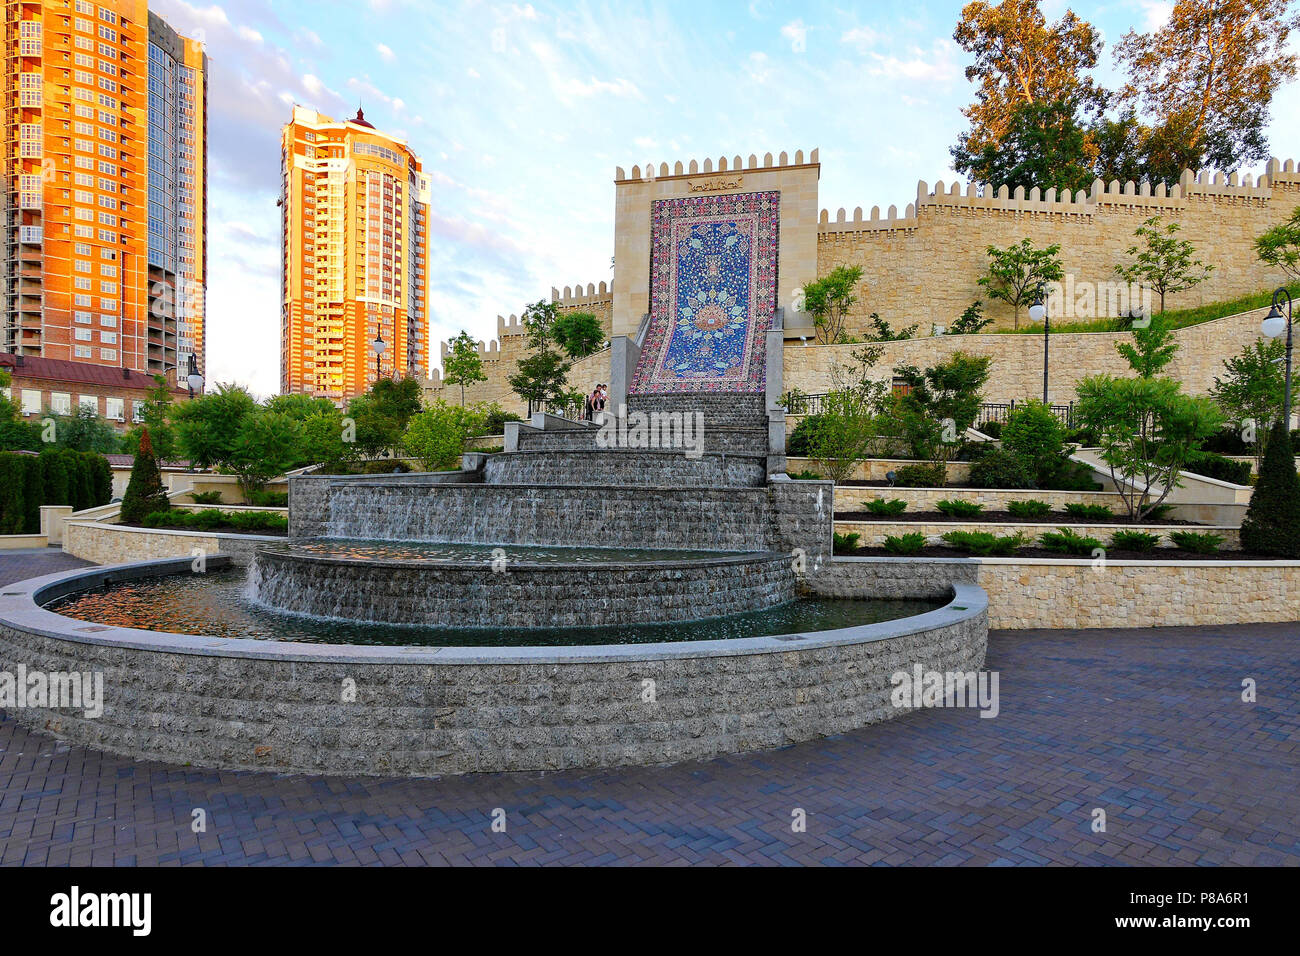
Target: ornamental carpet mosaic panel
(712, 294)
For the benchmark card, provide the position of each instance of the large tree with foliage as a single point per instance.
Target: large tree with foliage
(462, 364)
(1022, 60)
(380, 415)
(268, 444)
(156, 415)
(578, 333)
(1207, 77)
(1251, 391)
(1043, 145)
(207, 427)
(829, 299)
(1019, 274)
(1162, 261)
(1148, 431)
(15, 433)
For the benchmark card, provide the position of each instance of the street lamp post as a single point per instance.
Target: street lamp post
(1274, 324)
(1038, 313)
(193, 379)
(378, 345)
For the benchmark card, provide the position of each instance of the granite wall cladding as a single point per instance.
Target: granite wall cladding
(804, 516)
(873, 533)
(522, 595)
(627, 467)
(721, 519)
(421, 712)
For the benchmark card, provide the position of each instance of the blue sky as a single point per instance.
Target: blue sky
(521, 111)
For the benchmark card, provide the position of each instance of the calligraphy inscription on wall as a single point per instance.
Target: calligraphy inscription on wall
(715, 184)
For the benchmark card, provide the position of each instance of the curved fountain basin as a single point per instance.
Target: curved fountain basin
(240, 703)
(460, 585)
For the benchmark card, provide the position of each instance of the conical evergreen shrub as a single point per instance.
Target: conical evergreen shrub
(1272, 523)
(144, 492)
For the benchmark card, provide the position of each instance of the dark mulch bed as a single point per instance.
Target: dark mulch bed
(999, 517)
(1159, 554)
(220, 529)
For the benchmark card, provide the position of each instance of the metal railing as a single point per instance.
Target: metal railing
(799, 403)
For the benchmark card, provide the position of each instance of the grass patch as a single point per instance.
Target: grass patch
(1175, 318)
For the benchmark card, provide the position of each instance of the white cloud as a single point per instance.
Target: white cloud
(385, 52)
(251, 35)
(861, 37)
(796, 31)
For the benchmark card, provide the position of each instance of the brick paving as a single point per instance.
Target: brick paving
(1146, 725)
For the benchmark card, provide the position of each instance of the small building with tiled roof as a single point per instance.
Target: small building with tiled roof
(118, 395)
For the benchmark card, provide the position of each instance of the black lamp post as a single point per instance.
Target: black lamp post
(1274, 324)
(378, 345)
(193, 379)
(1038, 313)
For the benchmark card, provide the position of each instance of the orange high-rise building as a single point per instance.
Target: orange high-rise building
(105, 185)
(354, 208)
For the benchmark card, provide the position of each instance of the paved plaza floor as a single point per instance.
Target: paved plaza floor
(1147, 726)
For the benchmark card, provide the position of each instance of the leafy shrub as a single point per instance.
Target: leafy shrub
(956, 508)
(1035, 434)
(269, 499)
(206, 497)
(211, 518)
(1159, 513)
(1272, 522)
(1071, 475)
(796, 446)
(910, 543)
(1084, 437)
(1222, 469)
(933, 475)
(384, 466)
(1000, 468)
(1089, 512)
(805, 476)
(1134, 541)
(844, 543)
(494, 423)
(1068, 542)
(1228, 441)
(984, 543)
(886, 508)
(1030, 508)
(1197, 542)
(992, 428)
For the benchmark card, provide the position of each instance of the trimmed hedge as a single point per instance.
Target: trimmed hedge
(57, 476)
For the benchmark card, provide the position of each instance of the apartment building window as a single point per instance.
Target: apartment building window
(83, 351)
(115, 409)
(89, 402)
(83, 335)
(61, 402)
(108, 355)
(31, 401)
(108, 338)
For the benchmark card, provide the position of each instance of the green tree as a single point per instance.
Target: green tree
(829, 299)
(144, 492)
(1019, 274)
(381, 414)
(1021, 60)
(850, 425)
(1035, 435)
(268, 444)
(1272, 522)
(1207, 78)
(15, 433)
(1162, 261)
(462, 365)
(1148, 432)
(939, 404)
(540, 378)
(882, 331)
(1043, 145)
(437, 436)
(1279, 247)
(1252, 390)
(579, 334)
(324, 437)
(1153, 347)
(208, 427)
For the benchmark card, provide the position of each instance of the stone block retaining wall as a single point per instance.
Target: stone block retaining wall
(873, 533)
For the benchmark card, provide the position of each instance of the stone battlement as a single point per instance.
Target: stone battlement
(694, 168)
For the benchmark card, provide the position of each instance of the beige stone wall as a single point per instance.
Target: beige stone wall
(113, 544)
(921, 267)
(850, 498)
(1017, 369)
(1059, 594)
